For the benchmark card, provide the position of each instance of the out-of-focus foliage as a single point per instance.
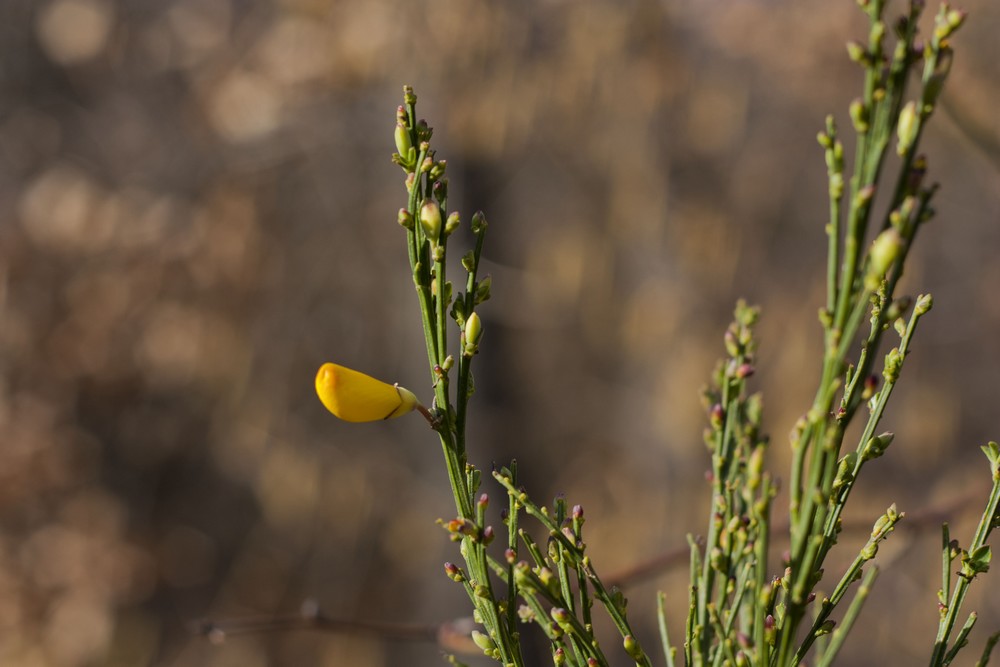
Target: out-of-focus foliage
(197, 208)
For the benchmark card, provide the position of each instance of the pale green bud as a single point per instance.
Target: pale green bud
(405, 219)
(907, 128)
(885, 250)
(893, 362)
(430, 220)
(483, 641)
(845, 470)
(478, 223)
(859, 116)
(633, 649)
(876, 446)
(473, 334)
(403, 141)
(857, 53)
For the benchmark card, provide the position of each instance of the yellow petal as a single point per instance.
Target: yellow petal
(356, 397)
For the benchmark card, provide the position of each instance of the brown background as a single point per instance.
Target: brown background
(197, 208)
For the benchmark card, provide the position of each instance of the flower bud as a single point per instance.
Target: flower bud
(560, 616)
(405, 219)
(885, 250)
(452, 223)
(633, 649)
(893, 362)
(857, 53)
(845, 470)
(356, 397)
(859, 116)
(430, 220)
(483, 641)
(907, 128)
(437, 170)
(403, 141)
(876, 446)
(478, 223)
(924, 303)
(473, 334)
(454, 572)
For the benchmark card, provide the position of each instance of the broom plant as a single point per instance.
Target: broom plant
(745, 608)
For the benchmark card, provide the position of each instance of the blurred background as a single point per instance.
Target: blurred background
(197, 209)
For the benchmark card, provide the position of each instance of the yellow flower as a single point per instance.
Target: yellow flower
(356, 397)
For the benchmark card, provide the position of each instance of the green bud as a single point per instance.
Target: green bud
(836, 185)
(523, 578)
(403, 141)
(947, 22)
(924, 303)
(886, 248)
(859, 116)
(483, 641)
(977, 562)
(845, 470)
(473, 334)
(881, 524)
(893, 362)
(876, 446)
(478, 223)
(907, 128)
(899, 324)
(718, 560)
(437, 171)
(755, 467)
(408, 95)
(864, 196)
(549, 580)
(405, 219)
(452, 223)
(633, 649)
(857, 53)
(430, 220)
(877, 32)
(825, 628)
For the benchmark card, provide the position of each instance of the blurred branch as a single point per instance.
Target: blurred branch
(918, 521)
(311, 617)
(454, 635)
